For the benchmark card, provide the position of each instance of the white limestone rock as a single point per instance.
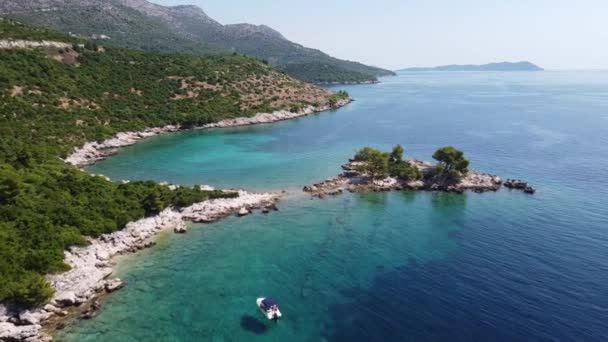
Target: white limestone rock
(11, 332)
(114, 285)
(244, 212)
(33, 318)
(65, 299)
(180, 228)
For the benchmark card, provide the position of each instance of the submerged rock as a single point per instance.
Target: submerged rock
(113, 285)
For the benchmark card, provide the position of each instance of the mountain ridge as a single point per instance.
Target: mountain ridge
(140, 24)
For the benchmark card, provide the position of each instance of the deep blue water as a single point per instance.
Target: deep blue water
(391, 266)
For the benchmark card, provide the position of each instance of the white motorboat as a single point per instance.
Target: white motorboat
(269, 308)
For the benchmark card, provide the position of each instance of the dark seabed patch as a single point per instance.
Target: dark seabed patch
(253, 325)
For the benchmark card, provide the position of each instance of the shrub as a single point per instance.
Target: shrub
(452, 163)
(380, 164)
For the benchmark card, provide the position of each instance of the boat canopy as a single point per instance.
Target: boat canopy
(268, 303)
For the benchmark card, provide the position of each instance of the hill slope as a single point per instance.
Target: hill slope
(503, 66)
(139, 24)
(57, 97)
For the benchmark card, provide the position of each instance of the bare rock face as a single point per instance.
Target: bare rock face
(102, 255)
(65, 299)
(29, 44)
(33, 318)
(11, 332)
(53, 309)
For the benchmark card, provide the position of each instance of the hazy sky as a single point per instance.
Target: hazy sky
(556, 34)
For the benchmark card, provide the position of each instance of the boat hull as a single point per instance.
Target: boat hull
(271, 315)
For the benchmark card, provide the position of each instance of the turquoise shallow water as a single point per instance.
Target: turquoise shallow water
(398, 266)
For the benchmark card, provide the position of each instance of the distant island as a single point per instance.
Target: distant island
(502, 66)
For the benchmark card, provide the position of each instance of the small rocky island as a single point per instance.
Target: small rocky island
(373, 170)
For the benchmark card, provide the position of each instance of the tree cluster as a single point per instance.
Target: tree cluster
(452, 164)
(383, 164)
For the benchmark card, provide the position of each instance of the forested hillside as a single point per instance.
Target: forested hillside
(139, 24)
(54, 99)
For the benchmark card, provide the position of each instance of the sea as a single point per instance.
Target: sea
(398, 266)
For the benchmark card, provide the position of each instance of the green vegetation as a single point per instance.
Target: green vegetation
(126, 27)
(383, 164)
(452, 164)
(326, 73)
(14, 30)
(47, 208)
(55, 100)
(339, 96)
(188, 30)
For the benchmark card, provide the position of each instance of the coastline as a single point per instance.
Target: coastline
(92, 266)
(335, 83)
(354, 180)
(92, 152)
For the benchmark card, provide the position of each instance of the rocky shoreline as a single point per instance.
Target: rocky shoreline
(78, 290)
(92, 152)
(347, 83)
(353, 180)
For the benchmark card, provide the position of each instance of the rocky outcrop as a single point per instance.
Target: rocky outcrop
(92, 152)
(32, 44)
(519, 184)
(113, 285)
(12, 332)
(354, 180)
(91, 266)
(516, 184)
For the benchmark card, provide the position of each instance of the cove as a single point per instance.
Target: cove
(385, 266)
